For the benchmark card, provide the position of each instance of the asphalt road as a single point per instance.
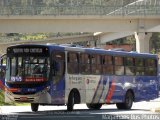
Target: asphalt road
(81, 112)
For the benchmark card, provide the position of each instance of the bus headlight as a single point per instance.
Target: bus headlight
(44, 90)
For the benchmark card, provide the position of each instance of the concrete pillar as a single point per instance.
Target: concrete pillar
(142, 42)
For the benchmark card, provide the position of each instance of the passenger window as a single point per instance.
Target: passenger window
(118, 60)
(73, 60)
(150, 67)
(96, 64)
(85, 63)
(119, 66)
(129, 66)
(139, 63)
(107, 65)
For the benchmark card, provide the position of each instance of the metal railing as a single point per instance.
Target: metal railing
(135, 7)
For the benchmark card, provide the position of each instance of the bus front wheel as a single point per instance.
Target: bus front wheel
(127, 103)
(34, 107)
(71, 102)
(94, 106)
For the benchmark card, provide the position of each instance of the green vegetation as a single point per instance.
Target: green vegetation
(3, 103)
(2, 99)
(13, 37)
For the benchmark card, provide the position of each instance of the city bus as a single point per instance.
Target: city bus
(53, 74)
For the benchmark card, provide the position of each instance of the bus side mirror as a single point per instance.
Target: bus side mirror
(3, 59)
(1, 62)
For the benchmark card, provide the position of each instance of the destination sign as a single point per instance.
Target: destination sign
(28, 50)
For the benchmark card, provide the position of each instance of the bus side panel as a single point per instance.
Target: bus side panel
(147, 88)
(117, 88)
(104, 89)
(94, 88)
(75, 82)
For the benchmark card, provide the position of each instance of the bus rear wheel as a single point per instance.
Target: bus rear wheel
(34, 107)
(127, 103)
(94, 106)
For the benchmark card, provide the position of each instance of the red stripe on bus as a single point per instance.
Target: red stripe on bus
(110, 93)
(2, 86)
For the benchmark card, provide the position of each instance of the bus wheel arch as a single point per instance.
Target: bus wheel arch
(128, 102)
(74, 98)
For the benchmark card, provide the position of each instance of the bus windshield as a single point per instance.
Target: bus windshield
(28, 69)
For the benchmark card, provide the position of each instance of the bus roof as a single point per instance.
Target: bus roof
(89, 50)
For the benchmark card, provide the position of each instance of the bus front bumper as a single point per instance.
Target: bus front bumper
(41, 97)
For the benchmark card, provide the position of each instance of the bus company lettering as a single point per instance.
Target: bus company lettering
(75, 79)
(27, 50)
(92, 79)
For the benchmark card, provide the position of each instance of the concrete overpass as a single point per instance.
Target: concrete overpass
(80, 15)
(32, 24)
(120, 16)
(142, 39)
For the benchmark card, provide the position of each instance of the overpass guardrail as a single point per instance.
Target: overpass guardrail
(58, 10)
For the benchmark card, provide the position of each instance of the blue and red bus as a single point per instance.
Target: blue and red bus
(67, 75)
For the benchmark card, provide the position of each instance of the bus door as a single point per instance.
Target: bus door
(58, 78)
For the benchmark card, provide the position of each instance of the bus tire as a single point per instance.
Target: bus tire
(94, 106)
(127, 103)
(71, 102)
(34, 107)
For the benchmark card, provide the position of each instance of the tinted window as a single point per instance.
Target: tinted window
(119, 68)
(139, 62)
(150, 67)
(129, 66)
(73, 67)
(118, 60)
(95, 64)
(85, 63)
(107, 65)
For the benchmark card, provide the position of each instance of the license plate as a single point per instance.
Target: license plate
(23, 98)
